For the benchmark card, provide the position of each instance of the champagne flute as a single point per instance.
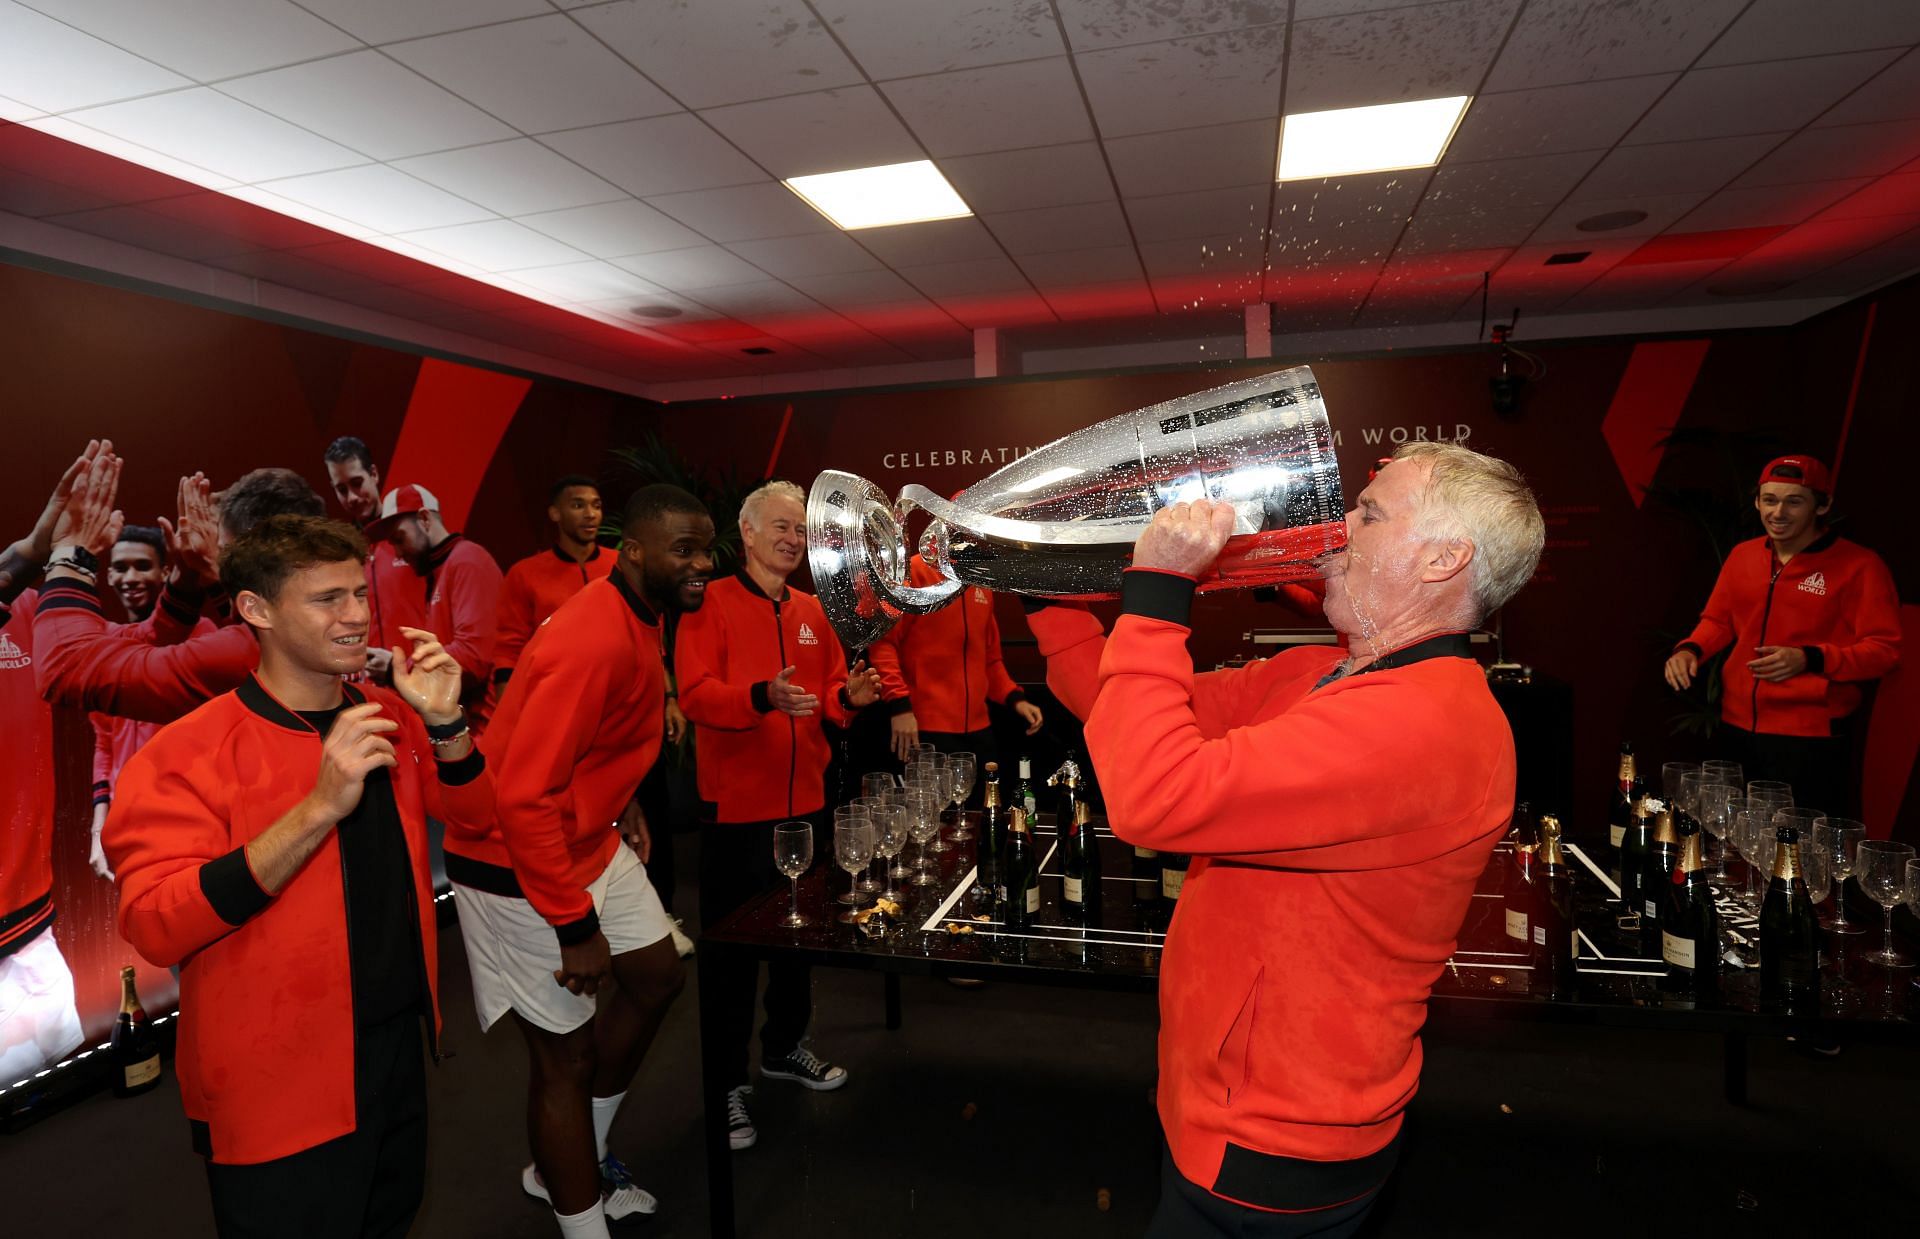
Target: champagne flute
(1715, 806)
(877, 783)
(962, 769)
(1881, 871)
(1725, 773)
(1770, 787)
(923, 823)
(852, 849)
(896, 802)
(1840, 839)
(934, 766)
(793, 856)
(1670, 777)
(847, 814)
(891, 834)
(866, 805)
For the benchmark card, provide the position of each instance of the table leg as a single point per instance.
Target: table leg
(893, 1001)
(1736, 1068)
(713, 1095)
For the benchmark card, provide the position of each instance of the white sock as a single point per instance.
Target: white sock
(604, 1108)
(589, 1225)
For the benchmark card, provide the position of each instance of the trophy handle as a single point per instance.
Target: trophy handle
(857, 549)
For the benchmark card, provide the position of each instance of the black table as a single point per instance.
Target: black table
(1484, 979)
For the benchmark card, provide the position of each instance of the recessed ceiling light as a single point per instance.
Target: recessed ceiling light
(757, 350)
(895, 193)
(1382, 138)
(1610, 220)
(1566, 258)
(656, 311)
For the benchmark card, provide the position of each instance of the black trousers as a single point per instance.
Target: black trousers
(1189, 1211)
(736, 864)
(367, 1183)
(1819, 768)
(981, 744)
(656, 801)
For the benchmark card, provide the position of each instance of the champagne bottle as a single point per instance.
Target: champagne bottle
(1689, 923)
(1173, 876)
(1554, 944)
(987, 851)
(1021, 872)
(1067, 779)
(1516, 888)
(133, 1048)
(1631, 873)
(1789, 935)
(1023, 793)
(1146, 883)
(1663, 858)
(1080, 889)
(1620, 807)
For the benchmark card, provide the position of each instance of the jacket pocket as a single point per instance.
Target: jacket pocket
(1233, 1059)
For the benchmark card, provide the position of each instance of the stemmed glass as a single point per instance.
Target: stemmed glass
(1770, 787)
(890, 836)
(933, 771)
(1715, 808)
(896, 803)
(1725, 773)
(852, 849)
(1839, 839)
(847, 815)
(962, 769)
(864, 805)
(793, 856)
(1754, 840)
(1882, 873)
(1670, 777)
(878, 783)
(1913, 887)
(923, 823)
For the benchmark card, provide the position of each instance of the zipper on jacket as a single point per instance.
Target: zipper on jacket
(793, 727)
(353, 1015)
(1766, 613)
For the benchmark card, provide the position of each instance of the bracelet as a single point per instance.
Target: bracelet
(437, 732)
(447, 742)
(74, 559)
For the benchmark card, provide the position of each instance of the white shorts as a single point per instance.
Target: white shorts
(39, 1025)
(513, 954)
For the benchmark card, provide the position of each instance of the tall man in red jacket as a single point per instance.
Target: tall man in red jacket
(1809, 617)
(462, 585)
(757, 665)
(273, 844)
(1338, 806)
(548, 893)
(395, 592)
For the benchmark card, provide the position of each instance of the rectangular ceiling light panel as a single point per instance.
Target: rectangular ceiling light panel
(1383, 138)
(898, 193)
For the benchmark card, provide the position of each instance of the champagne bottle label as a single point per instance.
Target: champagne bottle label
(1650, 911)
(1677, 951)
(1075, 890)
(1539, 935)
(1145, 853)
(1033, 806)
(1033, 900)
(143, 1072)
(1517, 925)
(1615, 834)
(1171, 880)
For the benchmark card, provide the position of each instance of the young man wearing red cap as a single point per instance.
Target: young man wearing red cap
(395, 593)
(1809, 618)
(462, 585)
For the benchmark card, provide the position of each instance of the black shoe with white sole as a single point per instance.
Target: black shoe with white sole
(804, 1068)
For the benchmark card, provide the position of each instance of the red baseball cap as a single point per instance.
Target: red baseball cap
(402, 501)
(1798, 471)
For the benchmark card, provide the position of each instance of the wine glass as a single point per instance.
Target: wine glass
(890, 836)
(793, 856)
(1839, 838)
(1814, 870)
(1754, 841)
(1913, 887)
(935, 767)
(847, 814)
(1724, 773)
(1770, 787)
(923, 823)
(868, 805)
(962, 769)
(1881, 871)
(852, 849)
(1714, 808)
(896, 802)
(1670, 777)
(878, 783)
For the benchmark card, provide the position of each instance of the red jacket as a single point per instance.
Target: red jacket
(115, 739)
(89, 665)
(463, 610)
(946, 666)
(579, 726)
(266, 1040)
(533, 589)
(1337, 835)
(26, 784)
(758, 764)
(1835, 600)
(396, 595)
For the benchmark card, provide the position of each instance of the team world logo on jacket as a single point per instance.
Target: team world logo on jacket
(12, 657)
(806, 634)
(980, 595)
(1815, 584)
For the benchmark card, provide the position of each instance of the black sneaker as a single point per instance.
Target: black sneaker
(805, 1068)
(740, 1132)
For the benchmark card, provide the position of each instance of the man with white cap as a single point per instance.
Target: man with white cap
(462, 585)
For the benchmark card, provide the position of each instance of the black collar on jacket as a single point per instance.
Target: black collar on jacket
(635, 602)
(436, 555)
(1446, 645)
(753, 586)
(593, 553)
(254, 695)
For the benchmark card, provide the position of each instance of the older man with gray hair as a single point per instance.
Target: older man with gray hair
(1338, 806)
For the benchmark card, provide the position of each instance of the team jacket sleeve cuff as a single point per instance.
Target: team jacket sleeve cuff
(761, 702)
(573, 933)
(1689, 645)
(68, 595)
(183, 602)
(102, 792)
(229, 886)
(1014, 698)
(846, 702)
(502, 674)
(899, 706)
(1816, 660)
(466, 770)
(1157, 595)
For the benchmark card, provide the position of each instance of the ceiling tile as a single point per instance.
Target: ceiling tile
(587, 281)
(900, 38)
(384, 21)
(255, 196)
(1437, 232)
(496, 245)
(1426, 52)
(1005, 309)
(1171, 217)
(367, 102)
(380, 198)
(937, 240)
(743, 212)
(827, 131)
(164, 169)
(623, 310)
(705, 266)
(1584, 116)
(15, 111)
(537, 75)
(1761, 98)
(613, 229)
(1638, 287)
(138, 226)
(723, 51)
(1107, 23)
(1113, 264)
(1662, 211)
(1779, 29)
(1186, 83)
(251, 34)
(1216, 157)
(53, 67)
(1766, 207)
(1229, 257)
(1831, 154)
(512, 178)
(749, 302)
(663, 155)
(1088, 302)
(1040, 177)
(941, 281)
(849, 289)
(1493, 183)
(1559, 41)
(1340, 222)
(819, 253)
(1675, 167)
(1890, 195)
(1052, 229)
(1893, 94)
(1001, 107)
(206, 128)
(25, 194)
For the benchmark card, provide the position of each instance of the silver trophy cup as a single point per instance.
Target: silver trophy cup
(1061, 521)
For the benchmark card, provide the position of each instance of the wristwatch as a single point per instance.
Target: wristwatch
(78, 558)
